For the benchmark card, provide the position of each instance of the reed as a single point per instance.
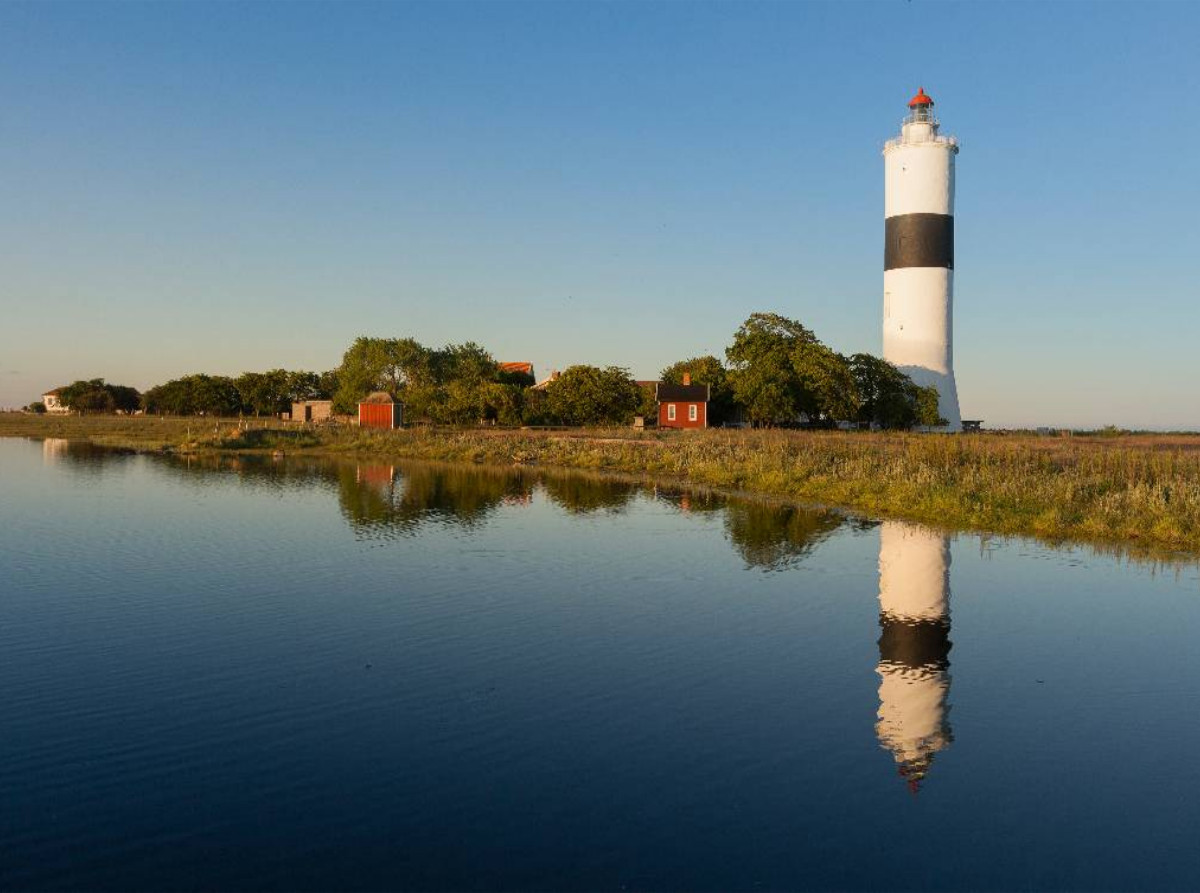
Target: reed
(1142, 490)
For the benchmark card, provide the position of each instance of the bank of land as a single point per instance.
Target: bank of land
(1141, 490)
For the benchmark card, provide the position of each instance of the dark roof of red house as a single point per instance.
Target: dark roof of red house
(681, 393)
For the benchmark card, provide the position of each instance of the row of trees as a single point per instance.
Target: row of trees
(779, 372)
(251, 393)
(776, 372)
(255, 393)
(463, 384)
(456, 384)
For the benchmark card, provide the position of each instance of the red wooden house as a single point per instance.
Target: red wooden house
(682, 405)
(380, 410)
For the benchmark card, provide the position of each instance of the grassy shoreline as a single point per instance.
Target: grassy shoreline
(1141, 491)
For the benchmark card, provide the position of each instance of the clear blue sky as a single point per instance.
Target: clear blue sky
(226, 187)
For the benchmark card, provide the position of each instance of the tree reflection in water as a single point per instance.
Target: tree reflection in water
(582, 494)
(692, 503)
(384, 499)
(775, 536)
(402, 498)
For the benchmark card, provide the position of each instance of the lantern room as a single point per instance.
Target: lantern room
(920, 108)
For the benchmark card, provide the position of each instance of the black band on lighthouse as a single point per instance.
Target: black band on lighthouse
(918, 240)
(922, 643)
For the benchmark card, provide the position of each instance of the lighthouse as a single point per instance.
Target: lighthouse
(918, 256)
(914, 647)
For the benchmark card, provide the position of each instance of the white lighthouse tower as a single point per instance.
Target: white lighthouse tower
(914, 647)
(918, 258)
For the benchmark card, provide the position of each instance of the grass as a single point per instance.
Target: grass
(1139, 490)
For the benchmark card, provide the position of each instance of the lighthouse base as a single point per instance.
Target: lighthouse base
(918, 309)
(947, 394)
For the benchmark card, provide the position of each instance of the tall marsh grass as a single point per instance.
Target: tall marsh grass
(1142, 489)
(1053, 488)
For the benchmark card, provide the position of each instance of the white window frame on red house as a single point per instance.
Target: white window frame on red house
(670, 412)
(693, 412)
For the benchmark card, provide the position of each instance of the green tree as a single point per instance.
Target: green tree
(468, 363)
(589, 395)
(779, 369)
(327, 385)
(886, 392)
(647, 406)
(926, 401)
(125, 399)
(163, 399)
(504, 402)
(464, 374)
(534, 408)
(274, 391)
(301, 386)
(195, 395)
(772, 371)
(95, 395)
(890, 399)
(710, 371)
(92, 400)
(826, 384)
(761, 375)
(523, 379)
(264, 392)
(37, 407)
(382, 364)
(70, 395)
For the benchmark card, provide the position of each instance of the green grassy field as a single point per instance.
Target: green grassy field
(1141, 491)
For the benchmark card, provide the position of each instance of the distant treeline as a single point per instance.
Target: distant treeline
(251, 393)
(776, 372)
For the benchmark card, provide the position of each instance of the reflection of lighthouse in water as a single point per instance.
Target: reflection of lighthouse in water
(914, 647)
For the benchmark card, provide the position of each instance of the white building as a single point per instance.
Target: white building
(51, 402)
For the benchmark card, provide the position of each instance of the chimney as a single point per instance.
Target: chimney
(687, 378)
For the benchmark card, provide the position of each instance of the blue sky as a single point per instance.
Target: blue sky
(220, 188)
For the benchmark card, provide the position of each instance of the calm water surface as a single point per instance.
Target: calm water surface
(295, 675)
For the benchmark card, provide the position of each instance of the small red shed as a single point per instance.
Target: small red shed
(682, 405)
(380, 410)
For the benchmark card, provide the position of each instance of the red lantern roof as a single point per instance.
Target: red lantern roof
(920, 99)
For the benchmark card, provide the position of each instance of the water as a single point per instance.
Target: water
(296, 675)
